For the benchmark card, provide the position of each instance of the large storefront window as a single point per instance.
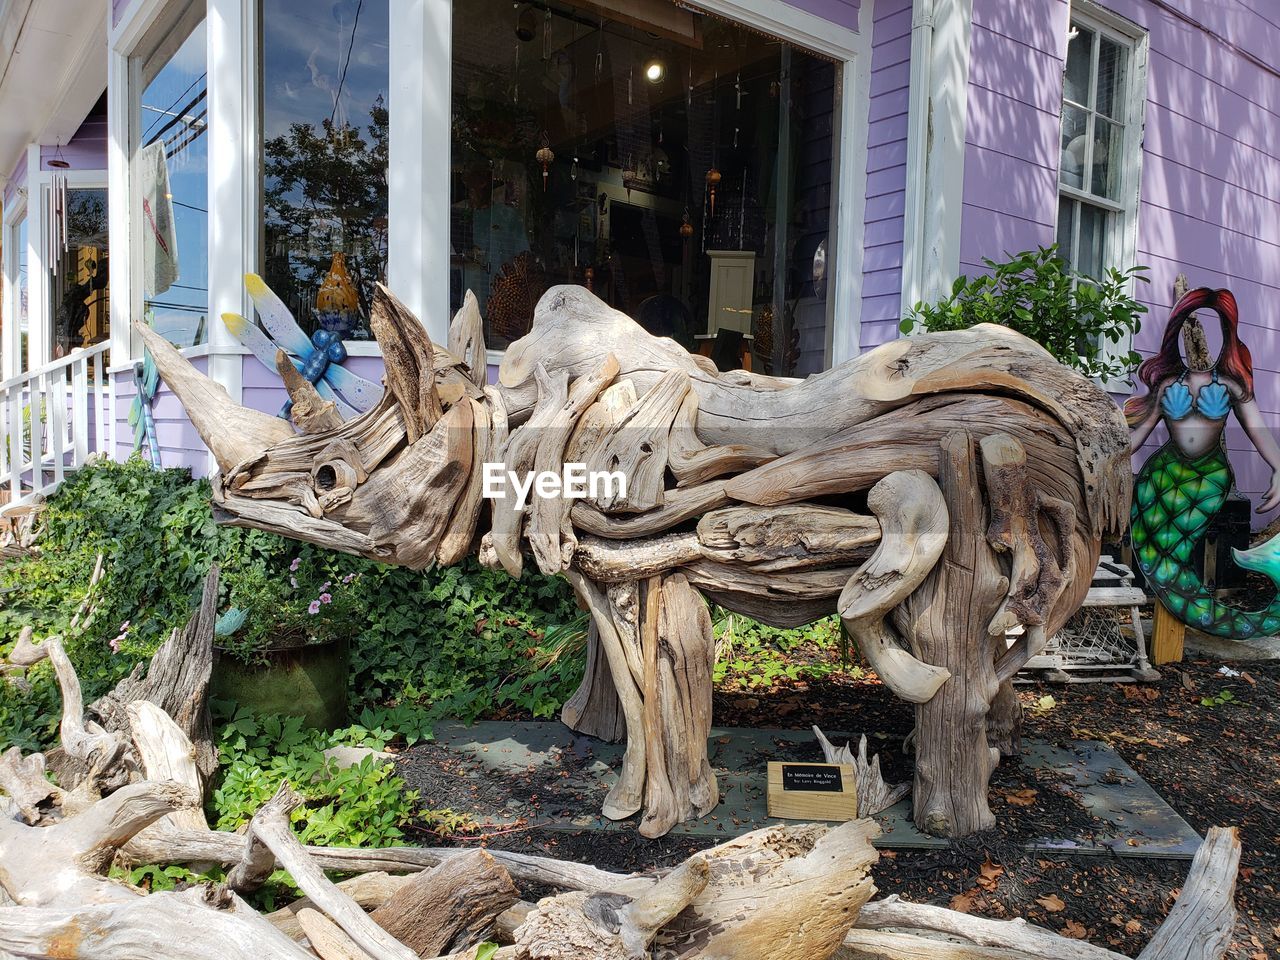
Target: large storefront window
(677, 164)
(324, 118)
(170, 219)
(78, 287)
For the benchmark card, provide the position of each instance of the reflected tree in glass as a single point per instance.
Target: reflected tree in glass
(325, 194)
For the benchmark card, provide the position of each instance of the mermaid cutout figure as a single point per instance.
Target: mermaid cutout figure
(1184, 484)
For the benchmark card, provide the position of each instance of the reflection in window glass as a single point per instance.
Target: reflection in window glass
(78, 288)
(324, 115)
(23, 322)
(677, 164)
(171, 168)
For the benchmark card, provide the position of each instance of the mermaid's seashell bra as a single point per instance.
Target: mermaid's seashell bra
(1213, 400)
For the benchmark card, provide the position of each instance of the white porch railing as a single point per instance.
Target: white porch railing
(51, 420)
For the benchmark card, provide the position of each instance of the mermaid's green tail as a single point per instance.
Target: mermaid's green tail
(1174, 501)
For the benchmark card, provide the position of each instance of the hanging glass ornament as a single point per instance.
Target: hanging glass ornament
(546, 157)
(590, 277)
(629, 177)
(686, 229)
(573, 170)
(713, 181)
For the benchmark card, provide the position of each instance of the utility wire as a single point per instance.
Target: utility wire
(355, 23)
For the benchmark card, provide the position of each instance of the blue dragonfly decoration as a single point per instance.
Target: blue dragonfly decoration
(318, 357)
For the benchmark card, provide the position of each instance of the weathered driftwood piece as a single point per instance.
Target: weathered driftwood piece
(177, 681)
(913, 522)
(104, 754)
(874, 794)
(309, 412)
(953, 761)
(203, 923)
(466, 339)
(594, 708)
(607, 926)
(407, 357)
(166, 755)
(700, 449)
(781, 893)
(693, 462)
(637, 448)
(23, 779)
(450, 907)
(326, 937)
(26, 652)
(678, 646)
(270, 828)
(550, 534)
(64, 864)
(521, 451)
(626, 796)
(233, 433)
(1200, 925)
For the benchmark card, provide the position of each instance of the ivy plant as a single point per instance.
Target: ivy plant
(1080, 320)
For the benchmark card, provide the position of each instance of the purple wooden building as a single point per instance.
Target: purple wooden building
(771, 182)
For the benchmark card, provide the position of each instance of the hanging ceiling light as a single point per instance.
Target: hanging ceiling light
(655, 70)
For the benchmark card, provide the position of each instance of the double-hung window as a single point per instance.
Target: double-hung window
(1102, 107)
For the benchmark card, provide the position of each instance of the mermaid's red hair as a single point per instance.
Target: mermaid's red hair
(1235, 361)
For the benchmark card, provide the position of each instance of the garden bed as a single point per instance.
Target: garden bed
(1215, 764)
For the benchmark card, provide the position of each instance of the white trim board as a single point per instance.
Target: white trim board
(936, 119)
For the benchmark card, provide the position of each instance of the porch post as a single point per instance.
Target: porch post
(419, 160)
(231, 31)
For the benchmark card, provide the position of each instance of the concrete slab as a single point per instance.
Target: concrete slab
(1136, 821)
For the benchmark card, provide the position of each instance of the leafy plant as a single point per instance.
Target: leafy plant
(290, 607)
(754, 656)
(447, 822)
(1221, 698)
(1076, 318)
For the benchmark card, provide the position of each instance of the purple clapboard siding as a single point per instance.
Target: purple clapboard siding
(180, 444)
(117, 10)
(87, 150)
(1210, 167)
(886, 172)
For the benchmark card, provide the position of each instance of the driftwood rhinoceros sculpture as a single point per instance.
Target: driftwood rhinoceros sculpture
(936, 491)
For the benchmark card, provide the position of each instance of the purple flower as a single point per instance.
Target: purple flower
(326, 598)
(115, 644)
(124, 627)
(314, 607)
(349, 577)
(293, 582)
(297, 562)
(326, 585)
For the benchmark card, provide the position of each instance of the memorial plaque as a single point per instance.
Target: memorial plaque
(812, 791)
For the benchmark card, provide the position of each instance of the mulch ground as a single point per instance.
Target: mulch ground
(1215, 764)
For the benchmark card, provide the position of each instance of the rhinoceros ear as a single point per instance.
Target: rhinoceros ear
(407, 354)
(233, 433)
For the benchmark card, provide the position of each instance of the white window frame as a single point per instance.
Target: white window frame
(1122, 233)
(14, 214)
(419, 170)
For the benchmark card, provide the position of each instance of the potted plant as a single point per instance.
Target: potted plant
(282, 644)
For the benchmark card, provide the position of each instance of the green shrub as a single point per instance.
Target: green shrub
(1074, 317)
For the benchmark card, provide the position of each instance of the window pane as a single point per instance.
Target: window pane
(324, 116)
(171, 224)
(1066, 228)
(1112, 62)
(1075, 86)
(1109, 138)
(23, 323)
(1092, 256)
(78, 290)
(1075, 125)
(676, 163)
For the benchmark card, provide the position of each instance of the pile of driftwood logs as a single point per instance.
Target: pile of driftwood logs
(132, 769)
(937, 492)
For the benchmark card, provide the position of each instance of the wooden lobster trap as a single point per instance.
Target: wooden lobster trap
(1104, 640)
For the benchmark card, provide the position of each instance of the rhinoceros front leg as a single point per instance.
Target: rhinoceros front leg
(657, 638)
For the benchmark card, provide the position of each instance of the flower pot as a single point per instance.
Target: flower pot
(303, 681)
